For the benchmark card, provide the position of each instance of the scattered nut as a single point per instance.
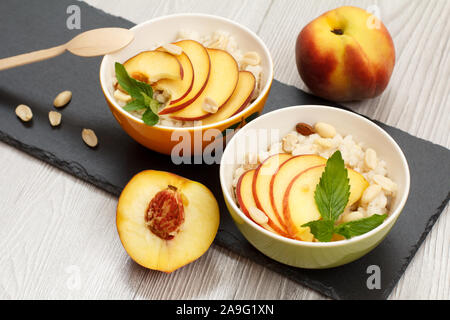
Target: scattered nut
(239, 172)
(251, 58)
(289, 142)
(352, 216)
(173, 49)
(258, 216)
(370, 193)
(209, 105)
(54, 118)
(370, 159)
(385, 183)
(325, 130)
(250, 161)
(89, 137)
(162, 96)
(24, 112)
(62, 99)
(251, 158)
(324, 143)
(304, 129)
(121, 96)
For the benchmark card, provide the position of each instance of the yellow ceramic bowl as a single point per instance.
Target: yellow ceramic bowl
(270, 128)
(149, 35)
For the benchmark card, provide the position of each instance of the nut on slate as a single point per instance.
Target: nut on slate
(89, 137)
(24, 112)
(54, 118)
(62, 99)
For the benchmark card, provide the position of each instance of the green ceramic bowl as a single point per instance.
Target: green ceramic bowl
(270, 128)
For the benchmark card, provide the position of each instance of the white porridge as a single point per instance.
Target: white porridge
(323, 140)
(246, 61)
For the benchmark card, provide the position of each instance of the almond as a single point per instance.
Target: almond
(54, 118)
(304, 129)
(89, 137)
(62, 99)
(173, 49)
(209, 105)
(325, 130)
(251, 58)
(24, 112)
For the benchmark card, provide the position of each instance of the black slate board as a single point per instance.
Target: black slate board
(32, 25)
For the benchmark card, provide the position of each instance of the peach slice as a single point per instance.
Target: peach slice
(238, 101)
(299, 206)
(201, 64)
(261, 189)
(178, 89)
(151, 66)
(166, 221)
(221, 84)
(244, 195)
(283, 177)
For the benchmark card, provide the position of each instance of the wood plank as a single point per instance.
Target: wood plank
(248, 12)
(417, 101)
(58, 235)
(56, 225)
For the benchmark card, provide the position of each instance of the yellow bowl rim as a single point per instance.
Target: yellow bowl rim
(390, 219)
(255, 103)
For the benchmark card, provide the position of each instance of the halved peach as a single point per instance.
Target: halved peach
(151, 66)
(283, 177)
(166, 221)
(244, 195)
(299, 206)
(178, 89)
(221, 84)
(261, 189)
(238, 101)
(201, 64)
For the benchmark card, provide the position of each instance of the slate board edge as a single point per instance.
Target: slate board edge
(78, 171)
(328, 291)
(75, 169)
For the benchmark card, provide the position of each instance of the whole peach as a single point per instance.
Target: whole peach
(345, 54)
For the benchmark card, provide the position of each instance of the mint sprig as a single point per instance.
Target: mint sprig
(142, 95)
(359, 227)
(331, 196)
(333, 191)
(322, 230)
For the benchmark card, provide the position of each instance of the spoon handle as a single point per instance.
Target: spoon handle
(31, 57)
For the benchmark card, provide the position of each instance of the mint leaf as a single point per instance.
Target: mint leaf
(135, 88)
(150, 118)
(134, 106)
(333, 191)
(142, 94)
(127, 83)
(359, 227)
(331, 196)
(321, 229)
(144, 87)
(153, 104)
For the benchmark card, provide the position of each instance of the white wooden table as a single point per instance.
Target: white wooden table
(58, 234)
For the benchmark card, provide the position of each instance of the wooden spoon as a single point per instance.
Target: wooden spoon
(91, 43)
